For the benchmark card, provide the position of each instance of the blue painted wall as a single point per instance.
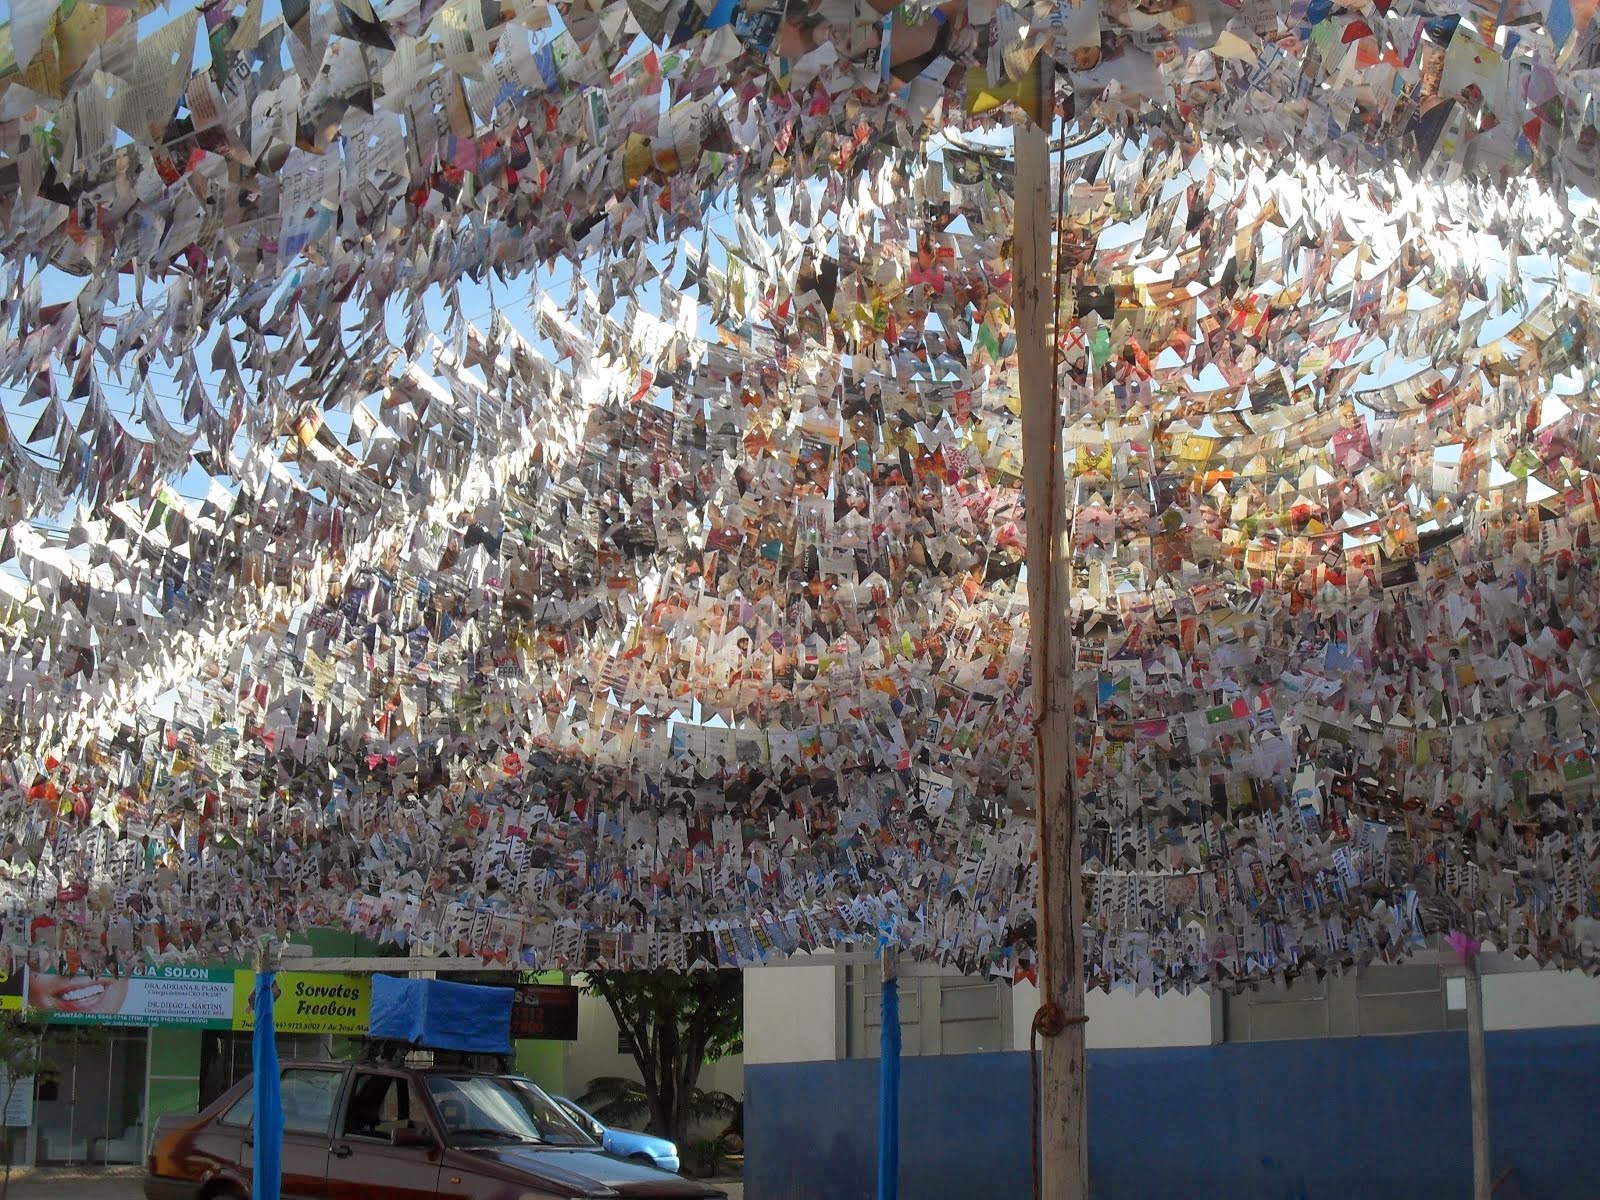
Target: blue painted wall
(1381, 1118)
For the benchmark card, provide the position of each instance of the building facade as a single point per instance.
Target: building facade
(104, 1086)
(1351, 1085)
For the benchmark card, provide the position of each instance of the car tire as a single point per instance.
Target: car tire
(222, 1191)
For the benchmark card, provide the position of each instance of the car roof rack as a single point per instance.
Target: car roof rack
(394, 1052)
(383, 1050)
(458, 1060)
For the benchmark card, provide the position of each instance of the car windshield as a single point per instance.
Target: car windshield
(500, 1108)
(580, 1118)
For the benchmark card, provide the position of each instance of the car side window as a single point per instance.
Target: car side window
(242, 1111)
(378, 1105)
(308, 1099)
(583, 1120)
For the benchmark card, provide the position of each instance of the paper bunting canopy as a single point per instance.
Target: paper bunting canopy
(544, 481)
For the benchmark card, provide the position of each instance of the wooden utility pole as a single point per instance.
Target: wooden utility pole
(1063, 1142)
(1478, 1072)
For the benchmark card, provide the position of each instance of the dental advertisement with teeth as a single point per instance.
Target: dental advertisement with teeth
(191, 997)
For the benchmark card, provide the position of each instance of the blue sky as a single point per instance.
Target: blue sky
(477, 301)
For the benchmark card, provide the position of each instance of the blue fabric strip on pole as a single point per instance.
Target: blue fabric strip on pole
(889, 1094)
(267, 1164)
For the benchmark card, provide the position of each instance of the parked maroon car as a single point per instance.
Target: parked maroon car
(353, 1131)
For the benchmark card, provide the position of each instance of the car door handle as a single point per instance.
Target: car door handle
(340, 1151)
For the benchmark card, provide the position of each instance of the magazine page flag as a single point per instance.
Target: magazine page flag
(543, 483)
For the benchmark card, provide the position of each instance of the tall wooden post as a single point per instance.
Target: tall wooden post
(1478, 1076)
(1063, 1141)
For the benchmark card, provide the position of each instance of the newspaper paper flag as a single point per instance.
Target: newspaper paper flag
(671, 611)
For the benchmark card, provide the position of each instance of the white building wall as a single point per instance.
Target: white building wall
(790, 1014)
(1540, 1000)
(594, 1055)
(1121, 1019)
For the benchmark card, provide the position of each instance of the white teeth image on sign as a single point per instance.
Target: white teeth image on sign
(75, 994)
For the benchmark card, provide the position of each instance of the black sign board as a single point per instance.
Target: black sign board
(545, 1012)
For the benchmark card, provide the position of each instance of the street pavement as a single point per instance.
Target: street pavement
(81, 1183)
(125, 1183)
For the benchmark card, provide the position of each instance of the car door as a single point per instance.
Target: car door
(222, 1140)
(362, 1159)
(310, 1095)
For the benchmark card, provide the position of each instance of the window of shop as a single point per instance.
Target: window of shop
(1382, 999)
(89, 1099)
(939, 1014)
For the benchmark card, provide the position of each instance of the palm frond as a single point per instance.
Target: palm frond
(614, 1100)
(712, 1104)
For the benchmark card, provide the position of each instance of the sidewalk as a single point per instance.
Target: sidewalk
(124, 1183)
(87, 1183)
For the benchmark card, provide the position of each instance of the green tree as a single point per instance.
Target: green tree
(674, 1024)
(20, 1062)
(613, 1100)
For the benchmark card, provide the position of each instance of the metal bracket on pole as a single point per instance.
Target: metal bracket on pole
(268, 953)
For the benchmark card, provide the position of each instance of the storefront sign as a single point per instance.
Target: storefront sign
(11, 991)
(308, 1002)
(193, 997)
(547, 1012)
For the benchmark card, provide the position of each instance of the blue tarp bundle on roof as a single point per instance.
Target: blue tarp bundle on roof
(442, 1016)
